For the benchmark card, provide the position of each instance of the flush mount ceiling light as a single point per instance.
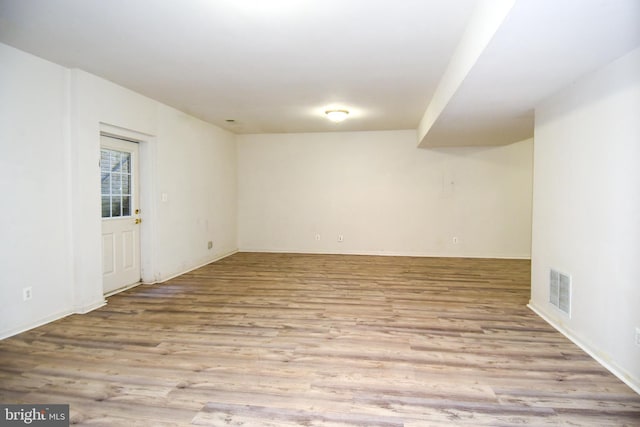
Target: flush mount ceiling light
(336, 115)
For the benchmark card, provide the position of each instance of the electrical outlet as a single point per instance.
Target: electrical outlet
(210, 244)
(27, 293)
(340, 238)
(638, 337)
(455, 240)
(317, 236)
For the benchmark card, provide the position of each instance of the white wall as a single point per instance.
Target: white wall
(586, 217)
(197, 172)
(94, 100)
(35, 241)
(50, 138)
(384, 195)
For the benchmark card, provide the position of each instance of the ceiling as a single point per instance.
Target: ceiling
(276, 65)
(541, 47)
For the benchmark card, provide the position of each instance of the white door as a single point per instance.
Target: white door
(120, 213)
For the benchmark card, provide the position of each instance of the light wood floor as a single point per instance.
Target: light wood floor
(317, 340)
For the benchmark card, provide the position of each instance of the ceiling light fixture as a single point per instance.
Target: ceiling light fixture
(336, 115)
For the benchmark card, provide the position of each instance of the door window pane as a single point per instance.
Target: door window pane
(115, 206)
(115, 183)
(105, 184)
(105, 161)
(115, 161)
(126, 185)
(126, 206)
(125, 166)
(106, 206)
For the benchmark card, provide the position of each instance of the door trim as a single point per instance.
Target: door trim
(147, 161)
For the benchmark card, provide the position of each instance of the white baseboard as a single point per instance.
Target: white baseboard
(611, 367)
(51, 318)
(173, 276)
(87, 308)
(39, 322)
(380, 253)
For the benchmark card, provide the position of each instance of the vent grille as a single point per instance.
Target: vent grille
(560, 291)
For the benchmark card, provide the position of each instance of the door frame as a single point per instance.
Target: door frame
(147, 185)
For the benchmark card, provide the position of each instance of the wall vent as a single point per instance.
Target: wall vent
(560, 291)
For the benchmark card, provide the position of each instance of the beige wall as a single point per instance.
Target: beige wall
(383, 195)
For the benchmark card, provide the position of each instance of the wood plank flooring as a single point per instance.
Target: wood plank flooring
(318, 340)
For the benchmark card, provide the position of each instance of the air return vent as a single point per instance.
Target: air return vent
(560, 291)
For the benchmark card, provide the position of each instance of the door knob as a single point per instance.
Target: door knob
(138, 220)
